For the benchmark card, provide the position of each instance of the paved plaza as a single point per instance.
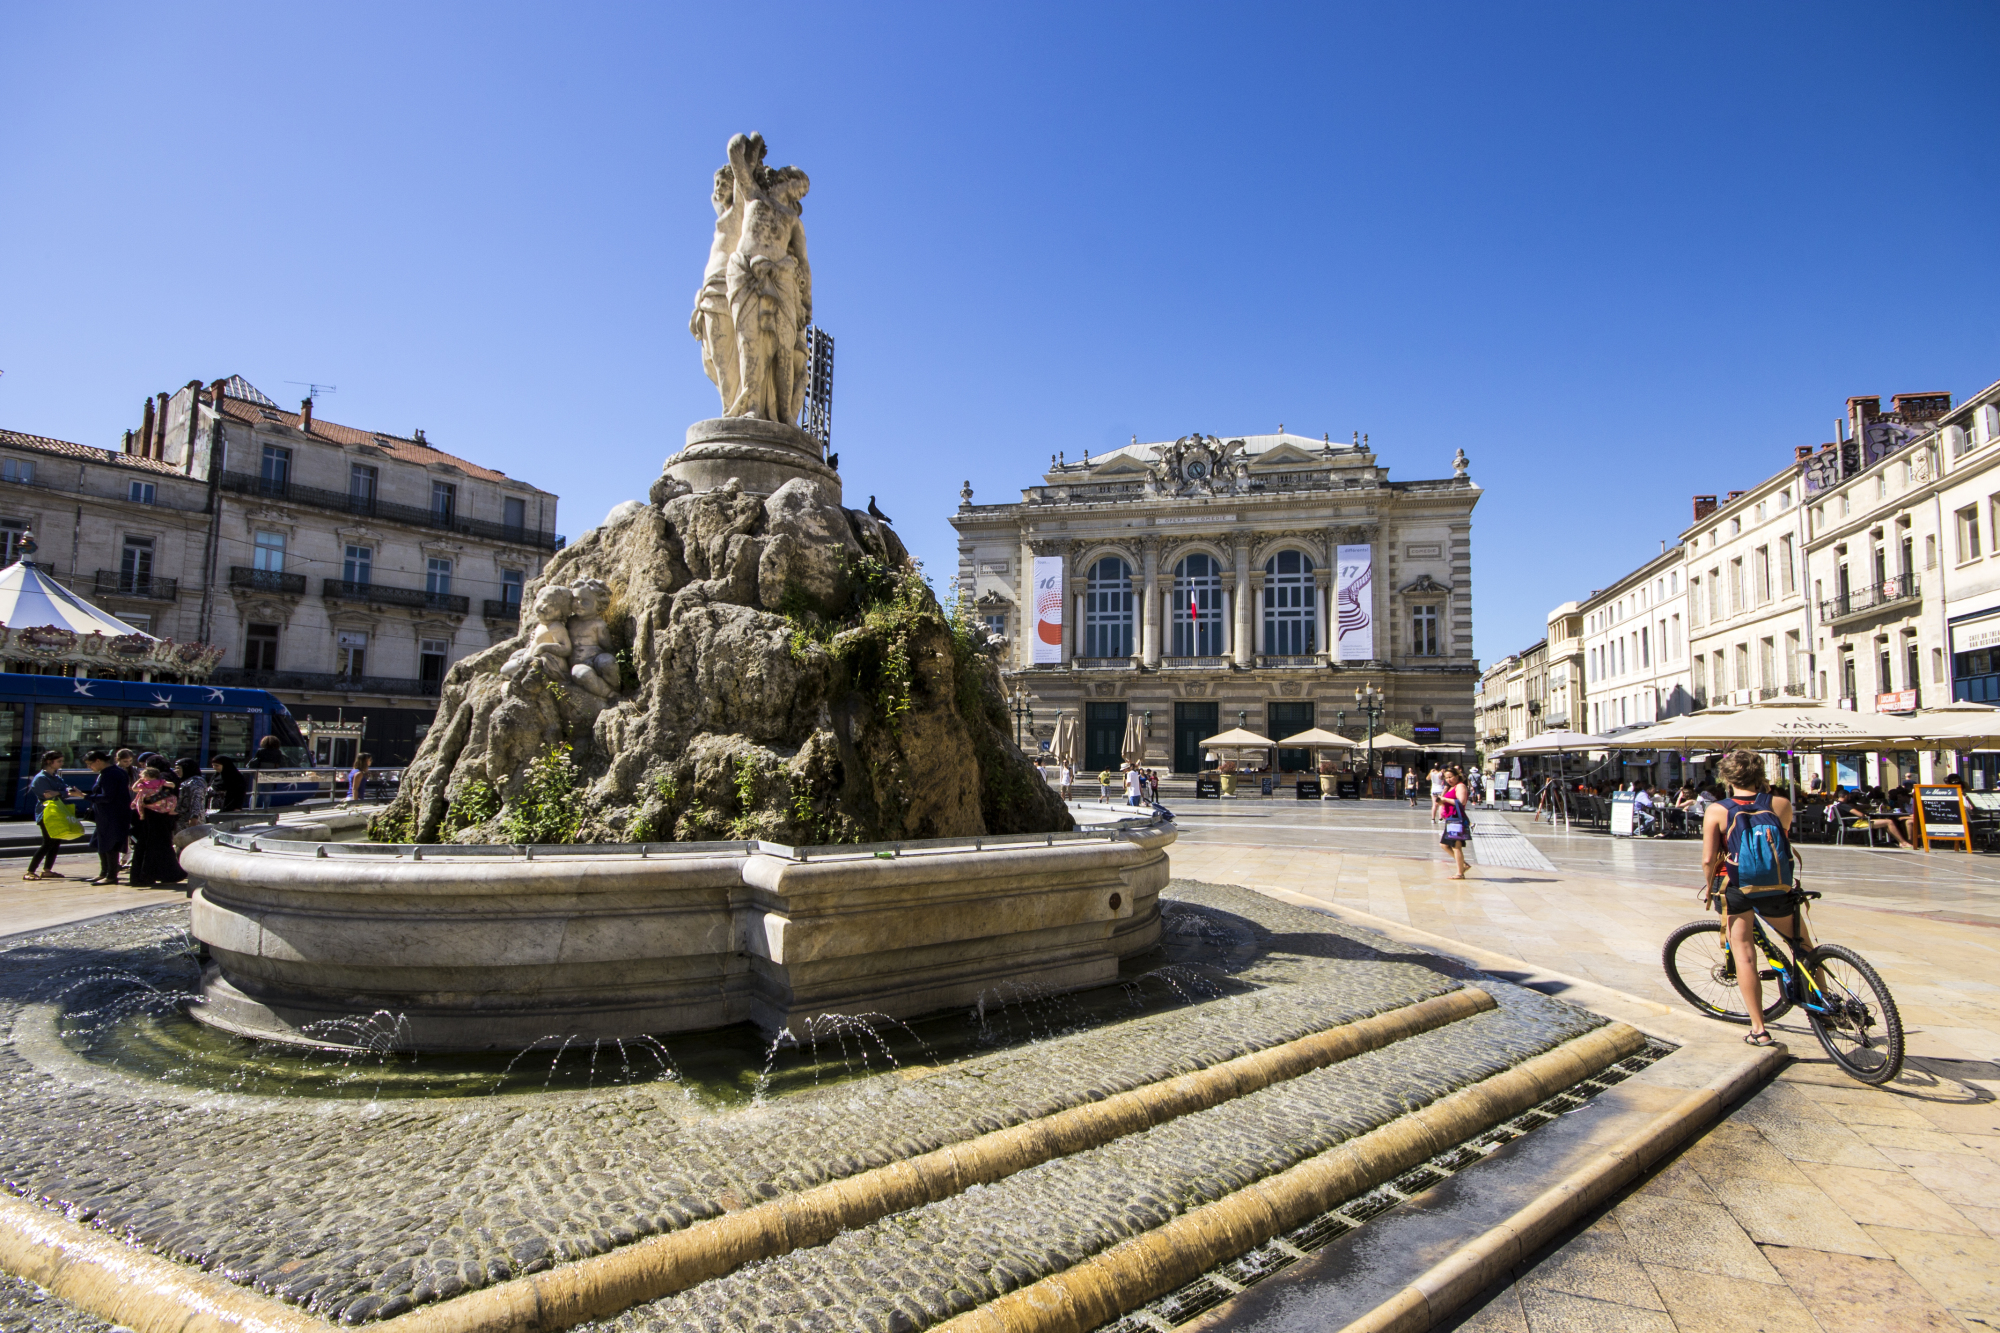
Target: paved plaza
(1816, 1204)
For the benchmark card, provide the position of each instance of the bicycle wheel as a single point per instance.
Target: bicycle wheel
(1862, 1030)
(1702, 970)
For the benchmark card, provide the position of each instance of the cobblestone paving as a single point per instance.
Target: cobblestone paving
(362, 1210)
(26, 1308)
(914, 1269)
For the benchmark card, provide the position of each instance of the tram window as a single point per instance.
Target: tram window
(229, 733)
(75, 730)
(168, 734)
(10, 736)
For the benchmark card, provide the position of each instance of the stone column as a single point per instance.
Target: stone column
(1228, 621)
(1243, 643)
(1075, 635)
(1150, 631)
(1024, 607)
(1322, 609)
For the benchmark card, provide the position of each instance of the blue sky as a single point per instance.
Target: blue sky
(1620, 254)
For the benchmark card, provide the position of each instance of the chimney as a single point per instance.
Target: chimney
(1914, 407)
(1734, 496)
(146, 431)
(160, 435)
(1803, 452)
(1704, 505)
(306, 415)
(128, 441)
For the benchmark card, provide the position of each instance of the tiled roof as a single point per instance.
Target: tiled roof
(15, 439)
(242, 407)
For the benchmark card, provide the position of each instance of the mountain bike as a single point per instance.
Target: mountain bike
(1850, 1010)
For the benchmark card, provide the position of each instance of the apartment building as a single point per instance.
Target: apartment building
(1566, 708)
(1634, 647)
(1745, 600)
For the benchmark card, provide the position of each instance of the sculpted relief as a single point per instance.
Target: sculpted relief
(1199, 465)
(755, 302)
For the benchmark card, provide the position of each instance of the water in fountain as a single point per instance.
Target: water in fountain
(136, 1018)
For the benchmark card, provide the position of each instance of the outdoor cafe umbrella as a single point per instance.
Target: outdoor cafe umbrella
(1552, 742)
(1956, 726)
(1133, 750)
(1062, 746)
(1389, 740)
(1319, 739)
(1786, 725)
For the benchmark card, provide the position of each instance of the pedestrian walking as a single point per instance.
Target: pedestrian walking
(1410, 788)
(1135, 785)
(111, 807)
(1067, 778)
(48, 786)
(1450, 810)
(1437, 789)
(357, 778)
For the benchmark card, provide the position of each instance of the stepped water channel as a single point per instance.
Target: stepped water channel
(358, 1185)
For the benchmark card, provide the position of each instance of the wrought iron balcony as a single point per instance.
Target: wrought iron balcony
(1211, 663)
(381, 594)
(117, 583)
(328, 682)
(1287, 660)
(266, 580)
(1869, 600)
(502, 610)
(368, 506)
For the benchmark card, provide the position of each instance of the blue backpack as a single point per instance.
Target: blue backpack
(1757, 846)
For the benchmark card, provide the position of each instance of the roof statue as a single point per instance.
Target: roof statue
(755, 302)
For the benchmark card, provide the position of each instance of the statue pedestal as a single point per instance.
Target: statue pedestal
(761, 455)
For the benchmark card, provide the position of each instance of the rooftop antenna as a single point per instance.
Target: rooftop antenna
(313, 391)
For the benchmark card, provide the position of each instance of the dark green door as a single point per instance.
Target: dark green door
(1193, 723)
(1103, 736)
(1289, 719)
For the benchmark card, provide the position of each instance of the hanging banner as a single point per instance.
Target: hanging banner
(1048, 604)
(1354, 600)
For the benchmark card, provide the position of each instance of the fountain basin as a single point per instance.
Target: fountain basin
(491, 948)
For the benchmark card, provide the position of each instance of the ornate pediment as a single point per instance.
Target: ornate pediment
(1288, 455)
(1424, 585)
(1121, 466)
(1199, 465)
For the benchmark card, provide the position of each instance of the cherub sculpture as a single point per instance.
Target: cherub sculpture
(549, 641)
(591, 665)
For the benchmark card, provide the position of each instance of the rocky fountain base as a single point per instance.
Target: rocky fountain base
(738, 765)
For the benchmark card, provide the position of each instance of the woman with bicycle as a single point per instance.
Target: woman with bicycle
(1740, 818)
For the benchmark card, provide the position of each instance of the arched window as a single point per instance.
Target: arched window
(1107, 609)
(1290, 604)
(1198, 607)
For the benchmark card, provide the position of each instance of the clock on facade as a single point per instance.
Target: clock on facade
(1196, 471)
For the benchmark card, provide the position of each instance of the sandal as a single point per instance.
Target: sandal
(29, 874)
(1760, 1039)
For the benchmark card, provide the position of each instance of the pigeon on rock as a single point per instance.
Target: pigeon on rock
(877, 514)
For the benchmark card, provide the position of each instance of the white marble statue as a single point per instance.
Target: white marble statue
(711, 323)
(549, 641)
(756, 294)
(591, 666)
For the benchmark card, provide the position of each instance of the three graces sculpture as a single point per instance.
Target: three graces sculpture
(755, 300)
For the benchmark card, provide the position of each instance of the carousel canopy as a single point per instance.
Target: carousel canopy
(28, 597)
(41, 620)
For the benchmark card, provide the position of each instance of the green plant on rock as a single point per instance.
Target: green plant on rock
(475, 803)
(392, 825)
(547, 806)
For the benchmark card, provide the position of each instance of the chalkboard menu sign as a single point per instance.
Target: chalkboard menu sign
(1207, 788)
(1943, 811)
(1308, 789)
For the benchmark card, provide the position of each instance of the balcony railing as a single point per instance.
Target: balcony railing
(502, 610)
(381, 594)
(1287, 660)
(1865, 601)
(326, 681)
(266, 580)
(367, 506)
(1211, 663)
(117, 583)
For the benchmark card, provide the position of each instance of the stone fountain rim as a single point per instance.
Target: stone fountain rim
(1121, 830)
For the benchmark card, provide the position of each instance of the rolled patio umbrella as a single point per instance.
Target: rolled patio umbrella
(1133, 750)
(1063, 745)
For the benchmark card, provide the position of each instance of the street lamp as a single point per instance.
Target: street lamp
(1369, 700)
(1022, 715)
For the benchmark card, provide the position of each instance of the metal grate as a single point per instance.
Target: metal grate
(1225, 1280)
